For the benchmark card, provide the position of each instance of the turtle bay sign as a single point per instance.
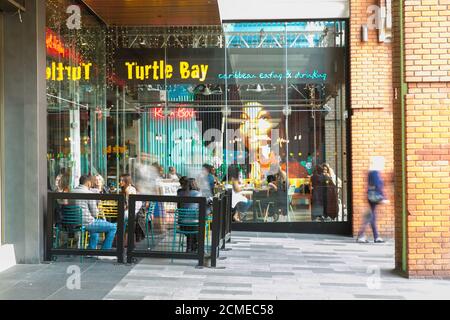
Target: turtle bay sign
(244, 66)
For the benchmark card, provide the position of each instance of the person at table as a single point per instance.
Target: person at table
(99, 185)
(172, 174)
(127, 188)
(239, 202)
(272, 183)
(215, 177)
(90, 219)
(189, 188)
(62, 181)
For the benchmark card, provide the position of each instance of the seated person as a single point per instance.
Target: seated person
(172, 174)
(90, 217)
(276, 193)
(272, 183)
(239, 202)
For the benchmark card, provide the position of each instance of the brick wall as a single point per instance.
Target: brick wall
(427, 71)
(427, 108)
(428, 178)
(372, 119)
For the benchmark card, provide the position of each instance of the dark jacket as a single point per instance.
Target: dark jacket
(376, 183)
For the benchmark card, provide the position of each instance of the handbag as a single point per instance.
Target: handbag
(374, 196)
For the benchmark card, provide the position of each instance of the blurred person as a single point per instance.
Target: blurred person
(239, 202)
(375, 196)
(147, 177)
(172, 174)
(208, 172)
(90, 217)
(161, 172)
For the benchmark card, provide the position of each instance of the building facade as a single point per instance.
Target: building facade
(360, 78)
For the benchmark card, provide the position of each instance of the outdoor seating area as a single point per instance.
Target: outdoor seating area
(156, 226)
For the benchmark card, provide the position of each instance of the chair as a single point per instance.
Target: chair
(108, 210)
(72, 221)
(149, 219)
(291, 193)
(266, 215)
(258, 198)
(306, 182)
(186, 222)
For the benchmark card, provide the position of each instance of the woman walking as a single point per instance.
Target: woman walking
(375, 196)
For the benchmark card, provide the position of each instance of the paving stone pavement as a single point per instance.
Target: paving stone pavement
(258, 266)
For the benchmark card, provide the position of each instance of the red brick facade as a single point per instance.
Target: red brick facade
(372, 117)
(427, 106)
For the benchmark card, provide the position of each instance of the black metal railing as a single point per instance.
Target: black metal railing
(65, 217)
(221, 225)
(168, 227)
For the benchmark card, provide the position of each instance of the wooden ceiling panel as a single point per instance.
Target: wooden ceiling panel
(156, 12)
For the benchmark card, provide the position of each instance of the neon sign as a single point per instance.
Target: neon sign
(179, 113)
(57, 48)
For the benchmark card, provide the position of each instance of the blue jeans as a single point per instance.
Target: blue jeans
(101, 226)
(372, 220)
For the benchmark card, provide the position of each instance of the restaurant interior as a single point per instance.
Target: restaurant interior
(262, 103)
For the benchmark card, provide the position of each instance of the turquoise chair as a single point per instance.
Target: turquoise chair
(72, 220)
(149, 219)
(184, 219)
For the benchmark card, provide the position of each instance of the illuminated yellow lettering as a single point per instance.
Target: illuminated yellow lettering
(140, 72)
(184, 70)
(53, 71)
(195, 74)
(169, 71)
(87, 70)
(76, 73)
(48, 72)
(161, 69)
(69, 72)
(155, 70)
(130, 69)
(204, 68)
(60, 70)
(147, 71)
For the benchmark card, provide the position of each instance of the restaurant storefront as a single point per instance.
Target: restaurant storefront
(254, 91)
(262, 102)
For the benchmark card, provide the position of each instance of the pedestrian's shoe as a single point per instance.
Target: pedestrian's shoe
(379, 240)
(362, 240)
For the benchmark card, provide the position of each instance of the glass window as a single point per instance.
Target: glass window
(262, 104)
